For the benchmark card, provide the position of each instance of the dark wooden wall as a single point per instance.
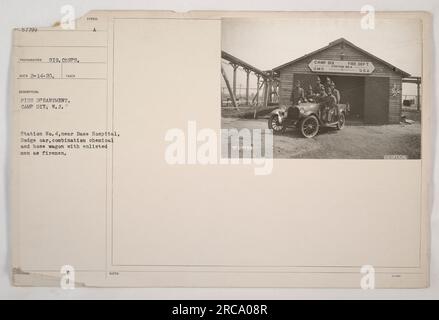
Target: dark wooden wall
(334, 53)
(376, 98)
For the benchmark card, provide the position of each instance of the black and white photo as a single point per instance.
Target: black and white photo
(327, 88)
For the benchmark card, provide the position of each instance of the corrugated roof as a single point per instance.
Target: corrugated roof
(336, 42)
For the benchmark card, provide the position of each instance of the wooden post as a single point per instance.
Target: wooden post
(266, 93)
(232, 96)
(247, 88)
(418, 84)
(269, 87)
(235, 66)
(257, 90)
(264, 96)
(270, 91)
(277, 92)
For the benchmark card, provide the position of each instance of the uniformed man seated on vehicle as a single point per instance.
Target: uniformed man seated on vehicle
(298, 94)
(320, 94)
(320, 98)
(310, 95)
(330, 105)
(318, 85)
(335, 92)
(327, 103)
(328, 82)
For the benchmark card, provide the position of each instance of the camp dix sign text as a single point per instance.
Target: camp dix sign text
(341, 66)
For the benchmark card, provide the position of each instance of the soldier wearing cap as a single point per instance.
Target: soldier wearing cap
(330, 104)
(335, 92)
(321, 98)
(310, 95)
(298, 94)
(321, 94)
(318, 84)
(328, 82)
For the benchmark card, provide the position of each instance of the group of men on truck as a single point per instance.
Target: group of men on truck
(327, 95)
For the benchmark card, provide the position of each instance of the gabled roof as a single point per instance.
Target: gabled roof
(342, 40)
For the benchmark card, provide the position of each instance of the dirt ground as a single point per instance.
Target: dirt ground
(353, 142)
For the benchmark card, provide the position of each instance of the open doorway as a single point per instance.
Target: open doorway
(351, 90)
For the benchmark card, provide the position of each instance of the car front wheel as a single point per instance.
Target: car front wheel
(275, 125)
(341, 121)
(309, 126)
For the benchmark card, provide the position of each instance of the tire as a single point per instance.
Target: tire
(309, 127)
(341, 121)
(273, 124)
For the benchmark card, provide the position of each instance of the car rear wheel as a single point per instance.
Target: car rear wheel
(341, 121)
(275, 125)
(309, 126)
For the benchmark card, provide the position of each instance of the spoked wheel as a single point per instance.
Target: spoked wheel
(309, 126)
(273, 123)
(341, 121)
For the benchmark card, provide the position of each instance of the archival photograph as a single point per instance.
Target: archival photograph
(327, 88)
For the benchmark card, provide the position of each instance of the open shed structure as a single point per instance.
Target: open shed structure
(266, 84)
(369, 84)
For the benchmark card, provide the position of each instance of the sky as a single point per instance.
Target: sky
(268, 43)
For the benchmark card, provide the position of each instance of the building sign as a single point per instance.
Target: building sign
(342, 66)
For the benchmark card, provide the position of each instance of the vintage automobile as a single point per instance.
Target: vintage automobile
(308, 117)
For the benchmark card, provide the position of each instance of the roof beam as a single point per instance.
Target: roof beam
(243, 64)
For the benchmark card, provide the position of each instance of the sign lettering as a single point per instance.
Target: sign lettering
(339, 66)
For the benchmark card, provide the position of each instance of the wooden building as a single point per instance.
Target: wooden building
(371, 86)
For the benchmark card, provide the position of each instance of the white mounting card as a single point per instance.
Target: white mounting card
(125, 170)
